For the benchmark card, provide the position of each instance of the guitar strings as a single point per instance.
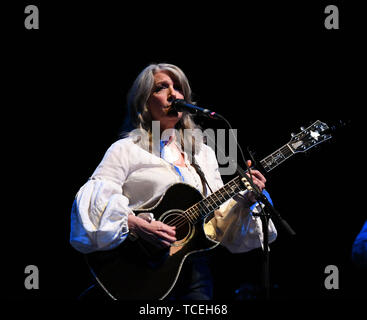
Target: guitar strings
(234, 189)
(181, 220)
(196, 213)
(285, 151)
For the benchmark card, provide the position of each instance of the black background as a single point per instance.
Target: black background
(261, 65)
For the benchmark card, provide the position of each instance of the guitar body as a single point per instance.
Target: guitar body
(137, 270)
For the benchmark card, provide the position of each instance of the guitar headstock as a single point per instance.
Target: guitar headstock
(310, 137)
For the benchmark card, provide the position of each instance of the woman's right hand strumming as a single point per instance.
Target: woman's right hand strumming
(155, 232)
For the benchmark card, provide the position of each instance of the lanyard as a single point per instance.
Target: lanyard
(162, 145)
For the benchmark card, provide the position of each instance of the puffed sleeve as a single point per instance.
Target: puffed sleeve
(234, 224)
(99, 216)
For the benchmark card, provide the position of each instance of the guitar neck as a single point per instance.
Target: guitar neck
(206, 206)
(277, 158)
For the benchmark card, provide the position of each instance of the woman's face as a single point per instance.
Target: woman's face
(165, 90)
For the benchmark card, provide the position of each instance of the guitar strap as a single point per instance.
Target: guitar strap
(204, 182)
(202, 176)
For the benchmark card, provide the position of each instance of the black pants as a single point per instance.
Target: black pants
(194, 283)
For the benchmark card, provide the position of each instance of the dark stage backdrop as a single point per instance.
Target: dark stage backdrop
(261, 67)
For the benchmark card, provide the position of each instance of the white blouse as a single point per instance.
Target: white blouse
(130, 177)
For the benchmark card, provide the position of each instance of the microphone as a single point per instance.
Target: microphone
(182, 105)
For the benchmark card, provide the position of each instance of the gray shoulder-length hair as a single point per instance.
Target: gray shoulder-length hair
(139, 117)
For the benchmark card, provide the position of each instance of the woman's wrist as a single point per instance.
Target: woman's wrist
(132, 222)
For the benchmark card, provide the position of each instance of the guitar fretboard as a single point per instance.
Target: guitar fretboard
(208, 205)
(276, 158)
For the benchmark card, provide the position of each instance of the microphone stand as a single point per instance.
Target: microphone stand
(266, 213)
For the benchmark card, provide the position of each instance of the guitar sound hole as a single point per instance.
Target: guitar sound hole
(183, 226)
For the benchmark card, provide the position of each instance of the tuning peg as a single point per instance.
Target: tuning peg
(303, 128)
(293, 134)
